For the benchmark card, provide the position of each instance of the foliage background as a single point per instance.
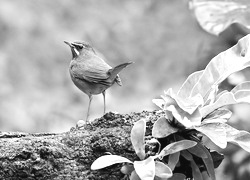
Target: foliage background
(162, 38)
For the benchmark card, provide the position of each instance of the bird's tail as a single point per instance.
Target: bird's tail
(114, 71)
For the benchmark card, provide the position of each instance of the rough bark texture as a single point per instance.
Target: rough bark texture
(69, 155)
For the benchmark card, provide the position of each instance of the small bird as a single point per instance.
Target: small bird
(90, 73)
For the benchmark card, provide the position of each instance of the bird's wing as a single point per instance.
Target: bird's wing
(94, 70)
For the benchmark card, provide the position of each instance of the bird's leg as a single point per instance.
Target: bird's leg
(103, 93)
(90, 99)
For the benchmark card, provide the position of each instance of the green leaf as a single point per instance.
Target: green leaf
(187, 155)
(188, 85)
(169, 100)
(146, 168)
(208, 162)
(242, 86)
(180, 111)
(127, 169)
(108, 160)
(219, 95)
(220, 67)
(162, 170)
(214, 16)
(138, 138)
(162, 128)
(211, 96)
(159, 102)
(225, 99)
(173, 160)
(165, 101)
(134, 176)
(176, 147)
(195, 169)
(242, 96)
(216, 132)
(219, 114)
(185, 118)
(240, 137)
(216, 120)
(197, 151)
(189, 104)
(178, 176)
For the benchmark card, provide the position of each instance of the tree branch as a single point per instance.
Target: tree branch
(69, 155)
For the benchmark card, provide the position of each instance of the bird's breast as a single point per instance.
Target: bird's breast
(86, 86)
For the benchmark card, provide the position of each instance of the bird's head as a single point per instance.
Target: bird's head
(78, 47)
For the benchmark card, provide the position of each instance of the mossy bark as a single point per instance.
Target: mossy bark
(69, 155)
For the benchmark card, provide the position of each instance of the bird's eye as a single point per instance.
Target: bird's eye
(80, 46)
(77, 45)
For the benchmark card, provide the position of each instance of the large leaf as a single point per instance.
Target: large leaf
(179, 111)
(221, 93)
(145, 169)
(219, 113)
(217, 120)
(189, 104)
(162, 170)
(225, 99)
(176, 147)
(173, 160)
(168, 98)
(184, 117)
(242, 86)
(162, 128)
(208, 162)
(188, 85)
(215, 16)
(216, 132)
(138, 138)
(210, 97)
(221, 133)
(178, 176)
(242, 138)
(159, 102)
(134, 176)
(242, 96)
(220, 67)
(108, 160)
(127, 169)
(197, 151)
(195, 169)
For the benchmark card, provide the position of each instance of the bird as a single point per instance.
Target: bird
(90, 73)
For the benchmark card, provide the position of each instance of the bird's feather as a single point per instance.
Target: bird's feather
(96, 71)
(114, 71)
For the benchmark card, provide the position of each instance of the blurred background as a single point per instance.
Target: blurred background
(162, 37)
(36, 91)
